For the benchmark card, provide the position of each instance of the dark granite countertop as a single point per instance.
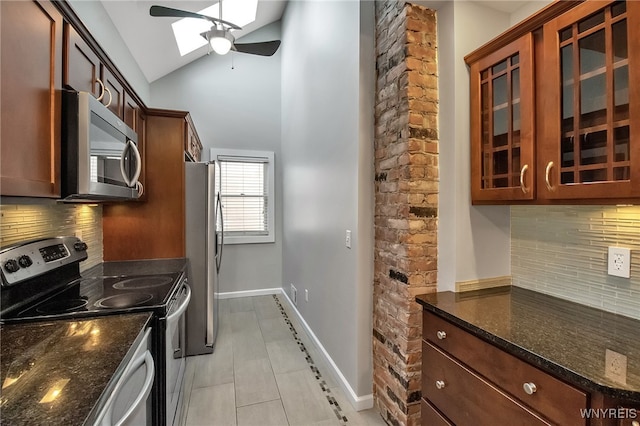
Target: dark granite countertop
(137, 267)
(56, 372)
(566, 339)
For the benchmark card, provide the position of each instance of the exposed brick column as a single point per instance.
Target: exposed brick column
(406, 161)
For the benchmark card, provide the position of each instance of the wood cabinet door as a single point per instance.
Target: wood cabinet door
(141, 130)
(591, 143)
(31, 49)
(502, 124)
(131, 111)
(81, 64)
(114, 98)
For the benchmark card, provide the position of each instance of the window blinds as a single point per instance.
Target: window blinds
(243, 191)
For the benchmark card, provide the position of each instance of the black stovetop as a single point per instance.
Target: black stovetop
(100, 295)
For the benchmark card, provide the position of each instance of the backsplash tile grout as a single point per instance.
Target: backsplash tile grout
(20, 222)
(562, 251)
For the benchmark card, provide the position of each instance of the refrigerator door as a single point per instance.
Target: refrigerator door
(212, 273)
(201, 316)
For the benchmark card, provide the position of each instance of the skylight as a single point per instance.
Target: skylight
(187, 30)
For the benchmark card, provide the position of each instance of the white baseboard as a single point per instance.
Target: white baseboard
(248, 293)
(358, 402)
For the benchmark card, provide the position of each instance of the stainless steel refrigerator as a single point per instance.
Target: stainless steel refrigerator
(204, 243)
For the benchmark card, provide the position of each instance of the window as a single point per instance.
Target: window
(245, 180)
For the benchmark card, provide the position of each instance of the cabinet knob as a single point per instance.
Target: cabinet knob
(530, 388)
(441, 335)
(440, 384)
(635, 423)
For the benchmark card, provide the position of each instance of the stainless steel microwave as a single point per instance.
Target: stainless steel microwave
(100, 157)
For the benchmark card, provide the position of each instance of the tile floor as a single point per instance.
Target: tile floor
(265, 371)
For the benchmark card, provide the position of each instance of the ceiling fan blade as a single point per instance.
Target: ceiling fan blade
(177, 13)
(265, 48)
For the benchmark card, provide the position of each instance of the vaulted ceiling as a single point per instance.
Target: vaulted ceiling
(151, 40)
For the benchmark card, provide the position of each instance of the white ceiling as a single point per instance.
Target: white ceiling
(151, 41)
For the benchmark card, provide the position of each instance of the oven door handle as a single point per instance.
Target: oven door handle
(183, 307)
(144, 393)
(105, 418)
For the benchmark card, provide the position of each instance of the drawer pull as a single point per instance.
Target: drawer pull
(635, 423)
(530, 388)
(440, 384)
(441, 335)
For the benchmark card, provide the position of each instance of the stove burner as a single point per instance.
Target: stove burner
(125, 300)
(62, 306)
(143, 282)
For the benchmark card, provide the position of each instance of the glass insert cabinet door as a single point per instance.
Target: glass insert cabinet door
(502, 124)
(593, 102)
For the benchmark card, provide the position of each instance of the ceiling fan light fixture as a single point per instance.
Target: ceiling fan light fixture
(221, 41)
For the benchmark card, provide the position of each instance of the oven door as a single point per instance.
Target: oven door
(175, 352)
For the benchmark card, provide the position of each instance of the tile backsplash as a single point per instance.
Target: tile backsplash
(562, 251)
(20, 222)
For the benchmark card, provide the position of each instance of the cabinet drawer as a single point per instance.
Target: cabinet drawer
(429, 416)
(555, 399)
(465, 397)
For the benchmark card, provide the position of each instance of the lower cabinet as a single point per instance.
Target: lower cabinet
(467, 381)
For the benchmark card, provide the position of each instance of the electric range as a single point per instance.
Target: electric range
(41, 280)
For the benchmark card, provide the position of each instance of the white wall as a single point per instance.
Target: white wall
(94, 16)
(327, 158)
(236, 108)
(473, 241)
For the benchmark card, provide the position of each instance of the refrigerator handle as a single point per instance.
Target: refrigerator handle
(219, 254)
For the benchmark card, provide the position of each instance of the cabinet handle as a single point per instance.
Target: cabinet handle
(530, 388)
(635, 423)
(440, 384)
(522, 172)
(140, 189)
(441, 335)
(110, 97)
(547, 171)
(99, 98)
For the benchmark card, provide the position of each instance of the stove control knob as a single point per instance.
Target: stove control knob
(80, 246)
(25, 261)
(11, 266)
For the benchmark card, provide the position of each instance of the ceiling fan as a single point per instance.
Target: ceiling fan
(219, 36)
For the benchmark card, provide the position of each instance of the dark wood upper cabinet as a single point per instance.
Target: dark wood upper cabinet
(502, 123)
(31, 78)
(591, 147)
(131, 111)
(114, 97)
(81, 64)
(85, 72)
(568, 132)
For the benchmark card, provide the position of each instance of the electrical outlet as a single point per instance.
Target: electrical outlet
(619, 264)
(294, 294)
(306, 295)
(347, 239)
(615, 366)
